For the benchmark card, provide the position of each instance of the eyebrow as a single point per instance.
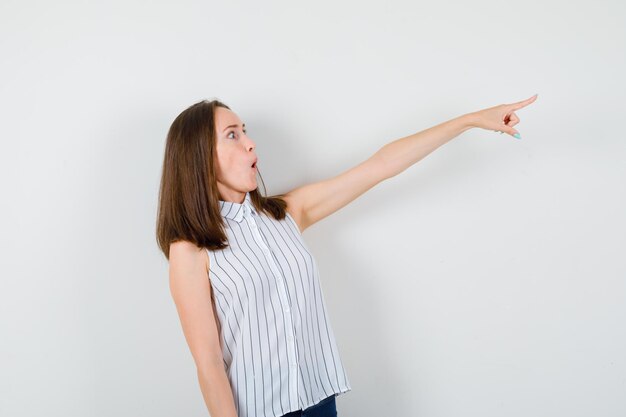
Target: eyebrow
(243, 125)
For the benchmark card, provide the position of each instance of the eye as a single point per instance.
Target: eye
(245, 131)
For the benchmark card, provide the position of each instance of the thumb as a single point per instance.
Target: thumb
(512, 132)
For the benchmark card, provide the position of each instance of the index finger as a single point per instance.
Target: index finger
(523, 103)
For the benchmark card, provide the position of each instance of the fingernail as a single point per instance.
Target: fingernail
(517, 135)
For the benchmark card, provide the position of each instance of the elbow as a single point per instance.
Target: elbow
(383, 166)
(209, 369)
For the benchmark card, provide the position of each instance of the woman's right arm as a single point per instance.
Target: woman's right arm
(191, 291)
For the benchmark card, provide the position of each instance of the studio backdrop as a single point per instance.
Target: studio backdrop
(488, 279)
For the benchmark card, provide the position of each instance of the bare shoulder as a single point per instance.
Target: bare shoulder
(192, 294)
(186, 256)
(294, 208)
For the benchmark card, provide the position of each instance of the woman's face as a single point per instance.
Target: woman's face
(235, 156)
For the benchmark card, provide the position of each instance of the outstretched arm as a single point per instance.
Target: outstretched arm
(312, 202)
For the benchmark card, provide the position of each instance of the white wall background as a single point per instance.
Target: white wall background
(486, 280)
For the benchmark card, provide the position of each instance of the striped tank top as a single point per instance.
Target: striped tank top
(278, 345)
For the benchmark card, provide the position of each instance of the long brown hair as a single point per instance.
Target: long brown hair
(188, 196)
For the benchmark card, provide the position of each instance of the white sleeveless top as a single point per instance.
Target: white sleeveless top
(278, 345)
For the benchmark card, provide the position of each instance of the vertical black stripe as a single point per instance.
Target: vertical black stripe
(297, 243)
(270, 357)
(249, 299)
(264, 268)
(261, 352)
(283, 323)
(272, 259)
(242, 335)
(323, 314)
(325, 391)
(306, 323)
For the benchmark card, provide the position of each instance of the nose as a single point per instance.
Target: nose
(250, 144)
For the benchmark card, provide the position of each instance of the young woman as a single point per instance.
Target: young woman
(245, 285)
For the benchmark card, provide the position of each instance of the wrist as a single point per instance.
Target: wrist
(465, 122)
(468, 121)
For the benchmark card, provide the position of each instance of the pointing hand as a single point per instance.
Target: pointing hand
(501, 118)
